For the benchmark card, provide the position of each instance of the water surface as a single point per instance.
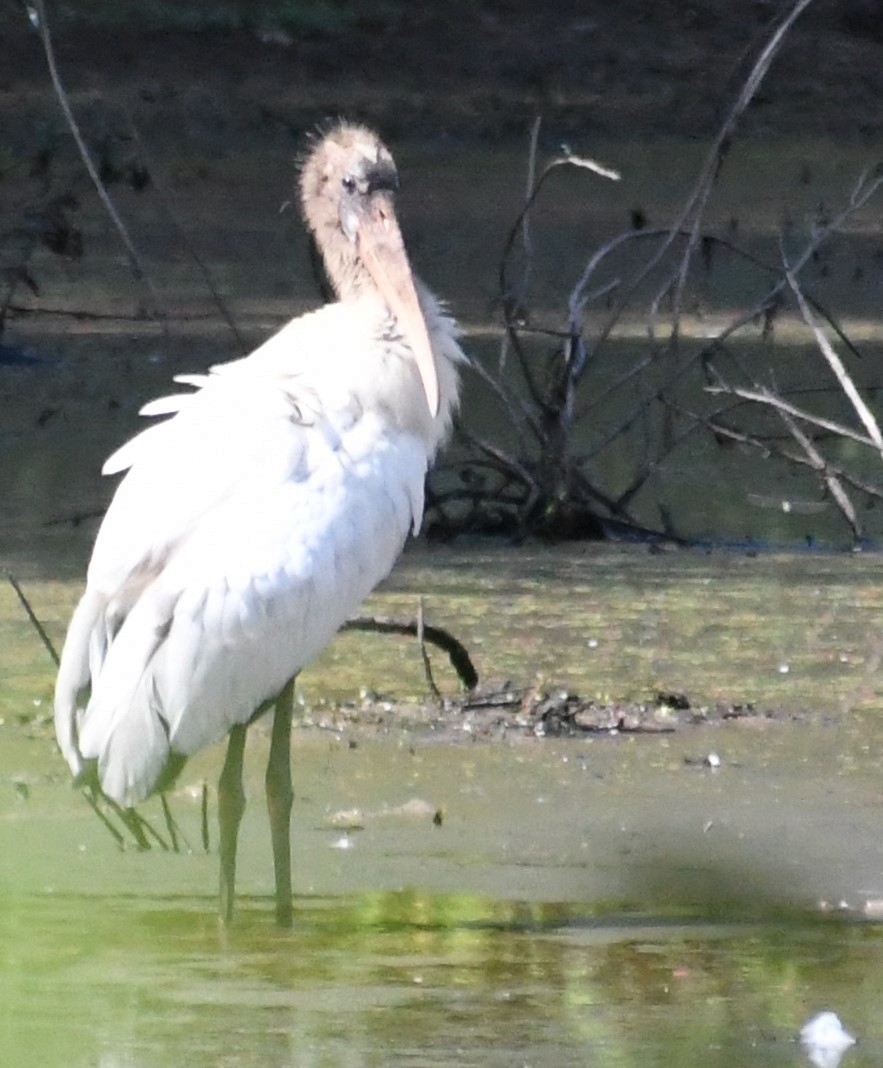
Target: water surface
(604, 899)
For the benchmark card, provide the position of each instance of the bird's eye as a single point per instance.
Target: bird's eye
(349, 185)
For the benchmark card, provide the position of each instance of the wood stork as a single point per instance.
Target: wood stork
(255, 520)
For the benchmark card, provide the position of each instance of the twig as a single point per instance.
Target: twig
(203, 821)
(427, 665)
(821, 467)
(769, 299)
(764, 396)
(865, 189)
(35, 623)
(509, 299)
(568, 158)
(37, 15)
(526, 242)
(91, 797)
(176, 834)
(769, 448)
(861, 195)
(521, 415)
(134, 822)
(167, 201)
(698, 200)
(694, 206)
(171, 826)
(457, 652)
(141, 829)
(836, 364)
(501, 461)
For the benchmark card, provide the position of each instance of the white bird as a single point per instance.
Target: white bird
(253, 522)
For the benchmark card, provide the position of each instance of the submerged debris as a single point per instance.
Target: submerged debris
(496, 709)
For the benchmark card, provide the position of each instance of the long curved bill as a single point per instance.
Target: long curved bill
(383, 253)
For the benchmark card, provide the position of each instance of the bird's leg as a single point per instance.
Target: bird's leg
(231, 805)
(279, 798)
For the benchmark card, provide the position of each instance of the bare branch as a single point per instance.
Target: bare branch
(424, 653)
(836, 364)
(696, 203)
(764, 396)
(32, 618)
(167, 199)
(821, 467)
(513, 298)
(457, 652)
(37, 14)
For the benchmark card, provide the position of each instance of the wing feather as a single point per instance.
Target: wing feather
(248, 527)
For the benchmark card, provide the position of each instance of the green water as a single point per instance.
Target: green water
(605, 900)
(579, 902)
(406, 978)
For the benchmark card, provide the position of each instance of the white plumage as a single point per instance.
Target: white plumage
(253, 521)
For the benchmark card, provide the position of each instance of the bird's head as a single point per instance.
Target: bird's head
(347, 187)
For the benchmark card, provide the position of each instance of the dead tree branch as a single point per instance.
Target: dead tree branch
(836, 364)
(548, 403)
(416, 628)
(37, 14)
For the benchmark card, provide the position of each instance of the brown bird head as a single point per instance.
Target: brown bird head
(348, 183)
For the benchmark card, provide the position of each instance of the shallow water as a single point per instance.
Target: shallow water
(470, 984)
(579, 902)
(605, 899)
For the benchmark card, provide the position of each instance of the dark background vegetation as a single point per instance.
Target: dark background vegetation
(193, 111)
(472, 69)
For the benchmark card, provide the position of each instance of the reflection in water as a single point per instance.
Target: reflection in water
(408, 977)
(625, 908)
(610, 900)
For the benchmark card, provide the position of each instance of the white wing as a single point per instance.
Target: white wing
(248, 528)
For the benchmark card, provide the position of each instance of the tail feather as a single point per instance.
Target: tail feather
(73, 676)
(133, 755)
(123, 727)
